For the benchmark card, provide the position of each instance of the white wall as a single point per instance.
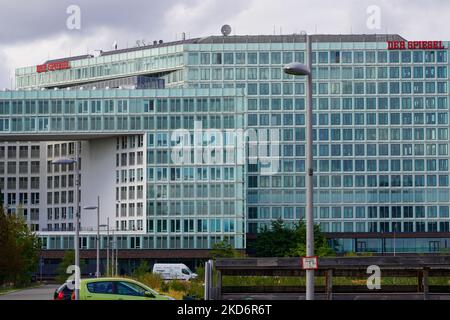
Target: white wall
(98, 178)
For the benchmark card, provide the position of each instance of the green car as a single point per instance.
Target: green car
(117, 289)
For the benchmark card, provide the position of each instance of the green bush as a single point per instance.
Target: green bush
(200, 271)
(165, 287)
(196, 289)
(142, 270)
(152, 280)
(177, 285)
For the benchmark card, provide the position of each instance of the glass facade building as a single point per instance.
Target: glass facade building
(380, 136)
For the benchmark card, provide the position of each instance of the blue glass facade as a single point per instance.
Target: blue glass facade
(380, 132)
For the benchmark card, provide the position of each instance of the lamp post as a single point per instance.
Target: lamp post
(117, 256)
(107, 246)
(68, 161)
(97, 207)
(299, 69)
(112, 254)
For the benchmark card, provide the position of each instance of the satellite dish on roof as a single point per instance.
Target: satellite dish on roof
(226, 30)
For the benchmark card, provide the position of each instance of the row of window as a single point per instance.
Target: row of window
(130, 209)
(350, 212)
(350, 181)
(144, 242)
(321, 73)
(191, 191)
(361, 196)
(114, 123)
(15, 199)
(58, 197)
(23, 152)
(129, 142)
(321, 57)
(106, 69)
(92, 106)
(58, 213)
(383, 226)
(60, 150)
(24, 167)
(347, 103)
(129, 193)
(351, 87)
(190, 208)
(191, 174)
(347, 119)
(191, 225)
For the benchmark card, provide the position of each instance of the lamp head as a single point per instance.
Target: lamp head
(296, 69)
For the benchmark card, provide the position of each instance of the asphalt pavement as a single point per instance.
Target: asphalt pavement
(44, 292)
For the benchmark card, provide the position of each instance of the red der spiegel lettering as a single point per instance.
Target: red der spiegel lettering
(415, 45)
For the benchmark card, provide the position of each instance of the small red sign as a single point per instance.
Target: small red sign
(415, 45)
(52, 66)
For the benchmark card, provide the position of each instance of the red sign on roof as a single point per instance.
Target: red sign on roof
(415, 45)
(52, 66)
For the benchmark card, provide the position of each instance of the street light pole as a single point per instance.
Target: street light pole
(107, 247)
(97, 273)
(299, 69)
(77, 219)
(116, 264)
(112, 254)
(310, 174)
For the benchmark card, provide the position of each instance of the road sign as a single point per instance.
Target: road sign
(310, 263)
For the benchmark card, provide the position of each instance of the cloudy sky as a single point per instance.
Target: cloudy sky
(32, 32)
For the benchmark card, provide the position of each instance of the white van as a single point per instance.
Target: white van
(174, 271)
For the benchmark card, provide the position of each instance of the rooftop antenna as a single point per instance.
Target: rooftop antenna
(114, 45)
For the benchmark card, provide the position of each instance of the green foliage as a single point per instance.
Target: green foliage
(68, 260)
(153, 280)
(19, 250)
(179, 285)
(141, 270)
(200, 271)
(223, 249)
(284, 241)
(196, 289)
(165, 287)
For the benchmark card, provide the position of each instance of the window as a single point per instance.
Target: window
(105, 287)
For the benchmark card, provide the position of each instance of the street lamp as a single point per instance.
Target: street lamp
(298, 69)
(69, 161)
(114, 254)
(97, 207)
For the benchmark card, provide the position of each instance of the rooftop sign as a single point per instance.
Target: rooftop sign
(415, 45)
(60, 65)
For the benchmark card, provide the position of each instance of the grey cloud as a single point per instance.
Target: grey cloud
(23, 20)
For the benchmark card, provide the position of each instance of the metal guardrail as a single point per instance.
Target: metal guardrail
(420, 267)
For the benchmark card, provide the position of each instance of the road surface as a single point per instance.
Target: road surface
(41, 293)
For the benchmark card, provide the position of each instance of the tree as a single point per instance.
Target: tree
(68, 260)
(141, 270)
(19, 250)
(224, 249)
(283, 241)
